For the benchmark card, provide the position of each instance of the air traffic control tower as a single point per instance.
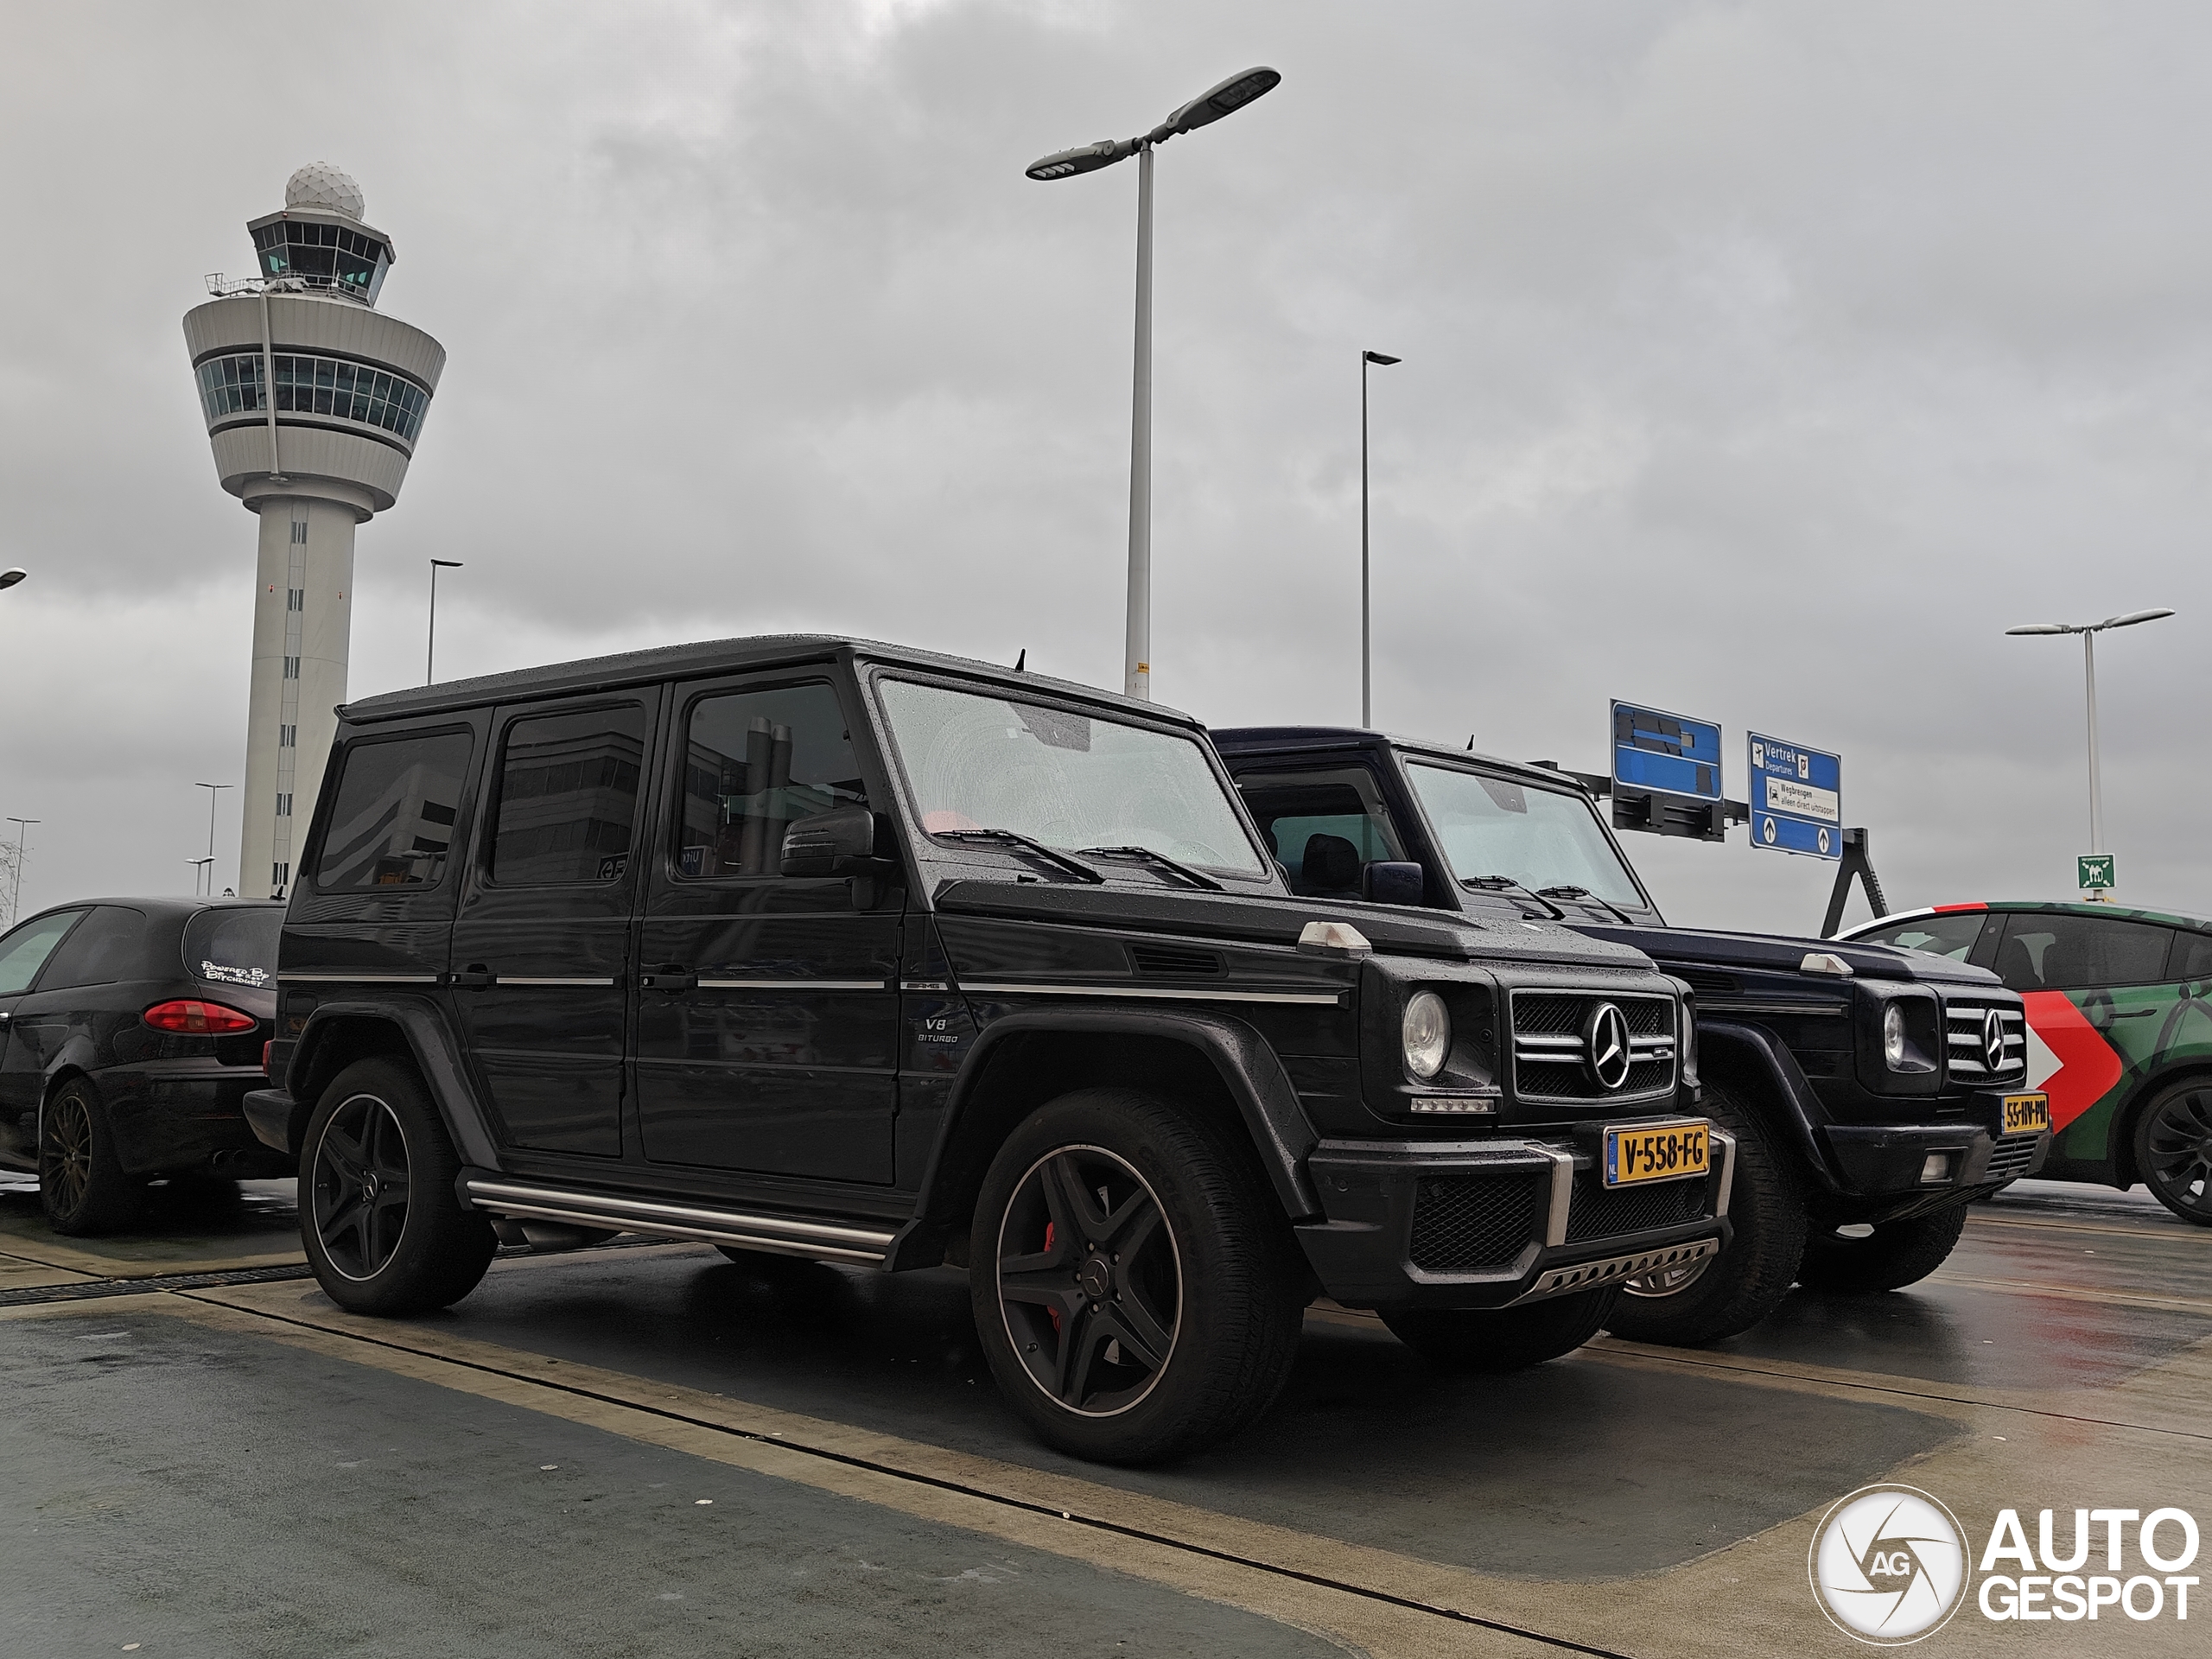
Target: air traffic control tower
(315, 400)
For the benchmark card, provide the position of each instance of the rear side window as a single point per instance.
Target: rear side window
(568, 796)
(392, 823)
(233, 947)
(2063, 952)
(755, 762)
(1325, 826)
(2192, 956)
(24, 951)
(110, 945)
(1951, 934)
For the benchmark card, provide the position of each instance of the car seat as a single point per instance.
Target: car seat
(1330, 868)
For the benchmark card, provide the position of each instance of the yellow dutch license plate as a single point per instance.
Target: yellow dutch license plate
(1668, 1152)
(2024, 1114)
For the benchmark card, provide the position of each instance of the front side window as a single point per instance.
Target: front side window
(108, 945)
(568, 796)
(392, 823)
(2064, 952)
(1071, 781)
(1325, 826)
(24, 951)
(1491, 827)
(755, 761)
(1951, 934)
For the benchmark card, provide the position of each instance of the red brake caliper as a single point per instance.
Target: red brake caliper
(1054, 1312)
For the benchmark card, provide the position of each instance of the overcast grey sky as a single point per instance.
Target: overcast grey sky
(1762, 362)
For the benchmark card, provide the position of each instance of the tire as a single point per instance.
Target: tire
(1897, 1254)
(2173, 1149)
(383, 1229)
(81, 1183)
(1727, 1294)
(1491, 1341)
(1162, 1321)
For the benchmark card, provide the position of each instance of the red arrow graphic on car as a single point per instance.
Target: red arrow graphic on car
(2068, 1057)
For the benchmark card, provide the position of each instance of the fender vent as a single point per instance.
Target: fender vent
(1177, 962)
(1706, 982)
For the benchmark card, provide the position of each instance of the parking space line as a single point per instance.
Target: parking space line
(1371, 1599)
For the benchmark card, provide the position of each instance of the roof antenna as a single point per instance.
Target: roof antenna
(1021, 661)
(1470, 742)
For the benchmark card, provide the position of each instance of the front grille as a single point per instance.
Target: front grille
(1551, 1059)
(1601, 1211)
(2010, 1158)
(1966, 1048)
(1462, 1223)
(1176, 961)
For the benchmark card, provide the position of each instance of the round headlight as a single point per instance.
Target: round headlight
(1893, 1036)
(1426, 1029)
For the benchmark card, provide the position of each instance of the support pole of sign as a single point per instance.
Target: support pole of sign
(1857, 861)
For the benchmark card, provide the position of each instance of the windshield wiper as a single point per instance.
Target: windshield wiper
(1506, 883)
(1160, 859)
(1074, 867)
(1568, 890)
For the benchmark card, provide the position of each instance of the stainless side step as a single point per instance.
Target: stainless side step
(779, 1234)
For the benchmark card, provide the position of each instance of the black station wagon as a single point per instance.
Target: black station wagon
(130, 1030)
(832, 950)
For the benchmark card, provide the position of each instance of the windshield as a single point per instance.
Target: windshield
(236, 946)
(1538, 838)
(1070, 781)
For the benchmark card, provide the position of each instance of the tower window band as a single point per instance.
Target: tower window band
(314, 385)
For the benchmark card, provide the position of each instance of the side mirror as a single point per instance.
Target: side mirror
(840, 842)
(1384, 883)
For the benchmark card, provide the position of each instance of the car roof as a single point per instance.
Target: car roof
(166, 904)
(2069, 906)
(725, 655)
(1237, 740)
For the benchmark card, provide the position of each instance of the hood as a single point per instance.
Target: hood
(1779, 953)
(1393, 930)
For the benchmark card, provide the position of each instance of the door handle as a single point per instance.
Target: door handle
(474, 977)
(670, 978)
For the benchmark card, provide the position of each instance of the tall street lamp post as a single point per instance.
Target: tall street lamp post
(2090, 630)
(1208, 107)
(1366, 632)
(214, 794)
(430, 653)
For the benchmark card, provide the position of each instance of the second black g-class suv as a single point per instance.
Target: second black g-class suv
(826, 949)
(1872, 1092)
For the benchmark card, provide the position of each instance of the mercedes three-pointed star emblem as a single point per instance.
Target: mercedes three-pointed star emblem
(1992, 1040)
(1605, 1041)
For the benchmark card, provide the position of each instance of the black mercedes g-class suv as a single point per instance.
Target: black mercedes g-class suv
(832, 950)
(1872, 1092)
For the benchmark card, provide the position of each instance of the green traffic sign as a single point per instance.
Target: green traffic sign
(2095, 871)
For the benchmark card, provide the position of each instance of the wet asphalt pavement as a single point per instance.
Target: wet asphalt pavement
(238, 1469)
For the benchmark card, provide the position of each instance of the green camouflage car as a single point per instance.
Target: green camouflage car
(2120, 1031)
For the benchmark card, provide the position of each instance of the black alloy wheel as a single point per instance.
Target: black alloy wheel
(2173, 1150)
(358, 1204)
(379, 1219)
(1135, 1285)
(82, 1186)
(1089, 1281)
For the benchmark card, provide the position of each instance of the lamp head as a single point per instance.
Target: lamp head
(1377, 357)
(8, 578)
(1228, 98)
(447, 564)
(2045, 628)
(1085, 158)
(2132, 619)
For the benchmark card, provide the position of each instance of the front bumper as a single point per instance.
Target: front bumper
(1884, 1162)
(1491, 1223)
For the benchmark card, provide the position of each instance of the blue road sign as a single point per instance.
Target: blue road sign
(1796, 799)
(1665, 752)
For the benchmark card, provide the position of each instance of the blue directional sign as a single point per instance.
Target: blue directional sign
(1665, 753)
(1796, 799)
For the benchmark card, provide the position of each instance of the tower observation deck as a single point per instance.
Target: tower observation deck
(315, 400)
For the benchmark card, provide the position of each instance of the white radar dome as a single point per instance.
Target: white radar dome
(320, 185)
